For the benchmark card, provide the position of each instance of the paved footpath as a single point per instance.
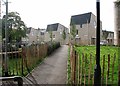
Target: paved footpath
(53, 70)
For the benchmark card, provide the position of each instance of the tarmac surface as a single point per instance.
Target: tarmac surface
(53, 69)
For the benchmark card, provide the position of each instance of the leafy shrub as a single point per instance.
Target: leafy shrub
(52, 46)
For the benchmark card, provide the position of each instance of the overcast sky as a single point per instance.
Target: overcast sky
(40, 13)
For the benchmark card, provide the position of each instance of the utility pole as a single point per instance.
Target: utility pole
(6, 40)
(97, 73)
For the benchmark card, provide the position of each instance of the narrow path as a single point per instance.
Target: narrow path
(53, 70)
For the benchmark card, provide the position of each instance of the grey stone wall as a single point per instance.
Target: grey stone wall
(117, 24)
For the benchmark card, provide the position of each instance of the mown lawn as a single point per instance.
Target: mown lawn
(104, 50)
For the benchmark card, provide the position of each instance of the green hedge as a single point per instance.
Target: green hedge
(52, 46)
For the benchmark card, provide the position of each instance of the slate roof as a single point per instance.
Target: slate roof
(81, 19)
(52, 27)
(105, 31)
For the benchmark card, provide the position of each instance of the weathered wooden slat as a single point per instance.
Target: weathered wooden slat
(94, 59)
(113, 67)
(84, 69)
(90, 67)
(108, 65)
(119, 76)
(81, 69)
(75, 67)
(10, 52)
(103, 70)
(78, 64)
(107, 75)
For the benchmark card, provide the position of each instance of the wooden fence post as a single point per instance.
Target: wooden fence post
(74, 67)
(93, 69)
(78, 69)
(119, 64)
(108, 69)
(71, 63)
(113, 67)
(85, 69)
(89, 70)
(103, 70)
(119, 77)
(23, 58)
(81, 69)
(108, 65)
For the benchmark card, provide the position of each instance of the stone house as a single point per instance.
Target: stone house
(86, 28)
(54, 32)
(108, 37)
(34, 35)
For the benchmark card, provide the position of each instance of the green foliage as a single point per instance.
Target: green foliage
(16, 28)
(52, 46)
(64, 34)
(68, 68)
(117, 3)
(73, 30)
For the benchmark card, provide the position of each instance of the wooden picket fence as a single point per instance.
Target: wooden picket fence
(23, 61)
(82, 69)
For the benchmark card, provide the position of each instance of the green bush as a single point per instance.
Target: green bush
(52, 46)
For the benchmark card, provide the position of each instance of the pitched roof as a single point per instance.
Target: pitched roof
(81, 18)
(52, 27)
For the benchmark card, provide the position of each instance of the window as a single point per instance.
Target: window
(53, 36)
(111, 40)
(81, 26)
(119, 34)
(94, 24)
(77, 32)
(111, 35)
(60, 32)
(93, 40)
(42, 33)
(108, 41)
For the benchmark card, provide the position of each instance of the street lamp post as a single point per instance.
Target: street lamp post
(97, 73)
(6, 56)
